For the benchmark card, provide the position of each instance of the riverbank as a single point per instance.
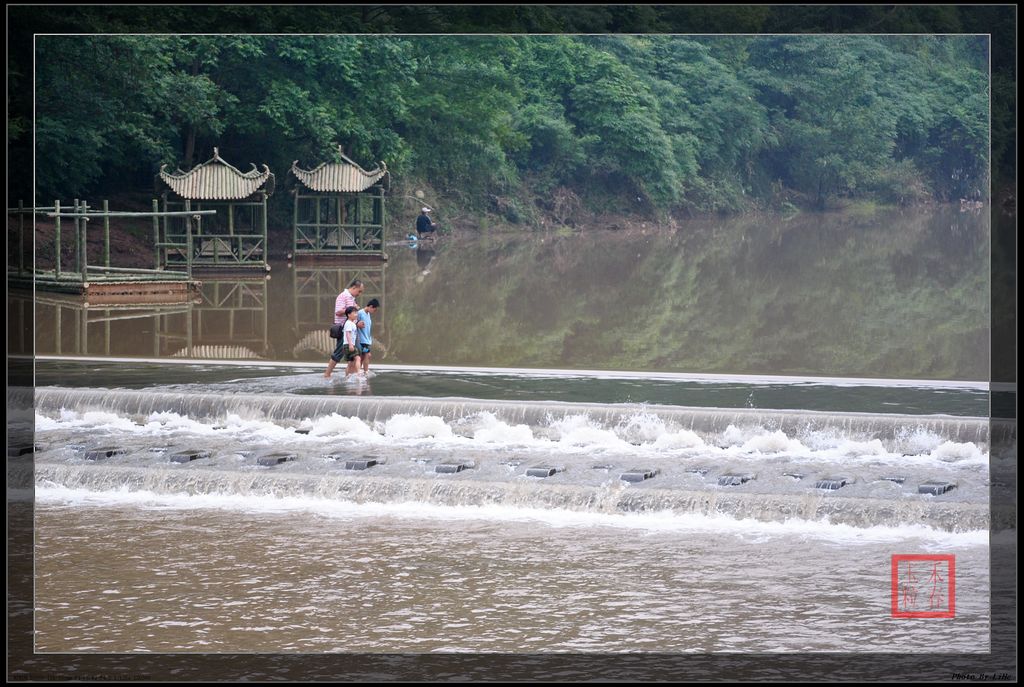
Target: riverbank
(131, 240)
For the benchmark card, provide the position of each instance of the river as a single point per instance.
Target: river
(714, 440)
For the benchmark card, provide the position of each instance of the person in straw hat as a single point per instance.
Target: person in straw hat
(424, 225)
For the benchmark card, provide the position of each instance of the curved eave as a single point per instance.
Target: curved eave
(336, 177)
(216, 180)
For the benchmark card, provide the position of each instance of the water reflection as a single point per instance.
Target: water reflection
(228, 323)
(228, 320)
(424, 256)
(69, 325)
(354, 385)
(313, 293)
(889, 294)
(878, 294)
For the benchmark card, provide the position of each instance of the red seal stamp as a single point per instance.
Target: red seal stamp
(923, 585)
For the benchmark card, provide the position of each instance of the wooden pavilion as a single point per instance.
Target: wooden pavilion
(237, 235)
(339, 209)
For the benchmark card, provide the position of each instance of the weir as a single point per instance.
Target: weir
(317, 490)
(288, 409)
(592, 458)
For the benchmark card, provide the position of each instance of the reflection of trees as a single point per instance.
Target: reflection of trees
(885, 294)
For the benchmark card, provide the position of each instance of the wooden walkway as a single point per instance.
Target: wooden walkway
(98, 283)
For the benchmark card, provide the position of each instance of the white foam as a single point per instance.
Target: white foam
(641, 434)
(96, 418)
(335, 425)
(952, 452)
(734, 436)
(651, 522)
(684, 438)
(491, 430)
(642, 428)
(919, 442)
(416, 427)
(578, 430)
(773, 442)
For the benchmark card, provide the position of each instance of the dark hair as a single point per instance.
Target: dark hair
(351, 309)
(355, 282)
(373, 303)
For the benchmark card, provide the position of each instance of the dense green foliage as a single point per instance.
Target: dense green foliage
(505, 123)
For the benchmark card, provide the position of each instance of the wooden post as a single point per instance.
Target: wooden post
(106, 234)
(357, 232)
(343, 217)
(156, 235)
(58, 333)
(216, 241)
(188, 242)
(75, 211)
(264, 310)
(56, 237)
(263, 224)
(319, 240)
(231, 219)
(295, 227)
(383, 222)
(167, 233)
(83, 245)
(78, 332)
(188, 328)
(341, 214)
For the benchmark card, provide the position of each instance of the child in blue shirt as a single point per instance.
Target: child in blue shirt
(365, 338)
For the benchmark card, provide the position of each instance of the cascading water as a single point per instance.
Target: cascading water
(882, 459)
(284, 408)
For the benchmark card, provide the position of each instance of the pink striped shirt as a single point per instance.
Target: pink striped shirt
(344, 300)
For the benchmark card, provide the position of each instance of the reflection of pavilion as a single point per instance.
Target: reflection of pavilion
(69, 325)
(314, 294)
(228, 323)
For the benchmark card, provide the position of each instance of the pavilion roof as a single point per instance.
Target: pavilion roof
(215, 179)
(339, 177)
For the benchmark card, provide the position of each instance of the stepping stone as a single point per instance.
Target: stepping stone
(699, 471)
(638, 474)
(733, 480)
(832, 483)
(897, 480)
(302, 431)
(935, 488)
(360, 463)
(101, 453)
(794, 475)
(189, 456)
(274, 458)
(542, 471)
(449, 468)
(15, 451)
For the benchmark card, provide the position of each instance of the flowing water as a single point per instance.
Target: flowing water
(553, 501)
